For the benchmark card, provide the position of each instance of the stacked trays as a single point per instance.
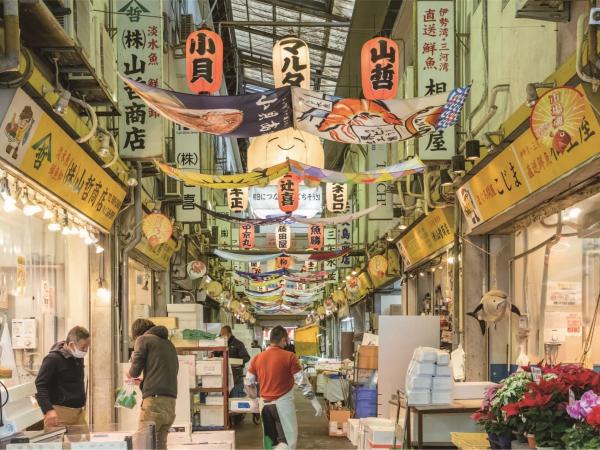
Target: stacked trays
(429, 377)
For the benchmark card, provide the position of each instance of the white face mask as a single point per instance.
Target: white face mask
(78, 353)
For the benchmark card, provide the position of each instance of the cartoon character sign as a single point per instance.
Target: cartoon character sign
(17, 131)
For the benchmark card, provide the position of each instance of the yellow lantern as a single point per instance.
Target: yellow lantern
(291, 63)
(378, 266)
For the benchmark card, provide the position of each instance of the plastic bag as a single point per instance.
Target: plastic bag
(457, 358)
(126, 396)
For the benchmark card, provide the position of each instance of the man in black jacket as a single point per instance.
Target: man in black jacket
(237, 349)
(60, 383)
(155, 356)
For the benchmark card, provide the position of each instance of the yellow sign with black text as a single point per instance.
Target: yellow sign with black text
(526, 166)
(160, 254)
(431, 234)
(34, 144)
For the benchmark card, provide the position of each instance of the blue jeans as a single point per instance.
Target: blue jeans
(238, 390)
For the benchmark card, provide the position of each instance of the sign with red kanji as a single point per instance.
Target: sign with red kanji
(315, 237)
(247, 236)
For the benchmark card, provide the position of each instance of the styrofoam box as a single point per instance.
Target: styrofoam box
(212, 381)
(209, 366)
(443, 371)
(353, 430)
(470, 389)
(422, 368)
(419, 382)
(214, 400)
(381, 434)
(441, 397)
(442, 384)
(180, 434)
(185, 307)
(218, 436)
(218, 342)
(211, 416)
(419, 397)
(425, 354)
(443, 358)
(245, 405)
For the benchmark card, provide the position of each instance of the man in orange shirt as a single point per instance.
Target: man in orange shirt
(276, 371)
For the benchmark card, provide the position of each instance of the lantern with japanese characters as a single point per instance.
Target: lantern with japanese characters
(204, 61)
(283, 262)
(288, 192)
(379, 59)
(291, 63)
(247, 236)
(237, 199)
(283, 237)
(336, 195)
(310, 266)
(315, 237)
(255, 267)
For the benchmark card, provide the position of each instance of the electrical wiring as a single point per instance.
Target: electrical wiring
(24, 78)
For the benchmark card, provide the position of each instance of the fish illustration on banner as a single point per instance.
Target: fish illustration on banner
(360, 121)
(379, 61)
(235, 116)
(204, 61)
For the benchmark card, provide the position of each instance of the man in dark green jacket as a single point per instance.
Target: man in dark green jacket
(155, 357)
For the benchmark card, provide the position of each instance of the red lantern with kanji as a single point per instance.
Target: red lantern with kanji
(283, 262)
(315, 237)
(247, 236)
(288, 192)
(379, 61)
(204, 61)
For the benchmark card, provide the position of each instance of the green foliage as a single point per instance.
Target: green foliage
(581, 436)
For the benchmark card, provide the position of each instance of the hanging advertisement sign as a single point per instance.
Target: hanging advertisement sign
(204, 61)
(160, 255)
(378, 193)
(157, 228)
(139, 42)
(288, 193)
(283, 262)
(291, 63)
(39, 148)
(310, 266)
(235, 116)
(237, 199)
(283, 237)
(187, 156)
(344, 241)
(330, 241)
(315, 237)
(247, 236)
(336, 195)
(264, 201)
(435, 68)
(379, 63)
(378, 265)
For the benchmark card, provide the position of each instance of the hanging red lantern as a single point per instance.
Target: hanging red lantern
(379, 61)
(288, 192)
(247, 236)
(315, 237)
(204, 61)
(283, 262)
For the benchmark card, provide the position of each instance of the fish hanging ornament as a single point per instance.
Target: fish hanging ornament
(492, 308)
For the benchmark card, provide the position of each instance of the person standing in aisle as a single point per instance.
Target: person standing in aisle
(60, 382)
(276, 370)
(155, 357)
(237, 349)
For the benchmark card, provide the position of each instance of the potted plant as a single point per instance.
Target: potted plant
(491, 418)
(585, 434)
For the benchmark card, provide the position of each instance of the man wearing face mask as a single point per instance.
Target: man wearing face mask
(60, 383)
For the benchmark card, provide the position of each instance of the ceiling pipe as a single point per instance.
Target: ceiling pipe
(9, 62)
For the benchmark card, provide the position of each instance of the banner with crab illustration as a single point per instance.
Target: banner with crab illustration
(360, 121)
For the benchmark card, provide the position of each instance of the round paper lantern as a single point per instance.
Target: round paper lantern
(234, 306)
(214, 289)
(379, 61)
(283, 262)
(247, 236)
(237, 199)
(288, 193)
(225, 297)
(338, 296)
(157, 228)
(291, 63)
(283, 237)
(378, 266)
(353, 285)
(196, 269)
(204, 61)
(336, 195)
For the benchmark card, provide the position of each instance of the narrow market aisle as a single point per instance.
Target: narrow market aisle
(313, 432)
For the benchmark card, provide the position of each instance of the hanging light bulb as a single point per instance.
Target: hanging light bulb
(450, 259)
(54, 225)
(48, 214)
(102, 293)
(29, 208)
(10, 204)
(99, 249)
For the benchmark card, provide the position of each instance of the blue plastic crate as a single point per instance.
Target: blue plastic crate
(365, 402)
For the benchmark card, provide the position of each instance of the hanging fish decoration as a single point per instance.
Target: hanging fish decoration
(492, 308)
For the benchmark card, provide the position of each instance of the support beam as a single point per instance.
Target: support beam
(305, 8)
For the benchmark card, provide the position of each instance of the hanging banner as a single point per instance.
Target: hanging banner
(360, 121)
(283, 237)
(139, 43)
(247, 236)
(264, 202)
(315, 237)
(344, 241)
(278, 147)
(237, 199)
(336, 195)
(35, 145)
(204, 61)
(379, 62)
(283, 262)
(435, 68)
(335, 220)
(291, 63)
(288, 193)
(235, 116)
(187, 157)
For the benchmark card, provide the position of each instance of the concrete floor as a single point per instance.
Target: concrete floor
(312, 431)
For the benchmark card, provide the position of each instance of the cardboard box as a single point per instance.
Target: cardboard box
(180, 433)
(339, 415)
(212, 381)
(214, 439)
(337, 429)
(211, 416)
(209, 367)
(169, 322)
(179, 343)
(367, 356)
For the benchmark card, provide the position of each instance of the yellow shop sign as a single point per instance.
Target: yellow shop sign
(38, 147)
(526, 166)
(160, 254)
(431, 234)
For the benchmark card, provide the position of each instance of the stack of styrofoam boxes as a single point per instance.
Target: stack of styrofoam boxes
(374, 432)
(210, 372)
(189, 315)
(213, 440)
(353, 425)
(429, 377)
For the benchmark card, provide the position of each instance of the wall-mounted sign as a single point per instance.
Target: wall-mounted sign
(379, 194)
(139, 43)
(526, 166)
(283, 237)
(204, 61)
(160, 255)
(36, 146)
(330, 241)
(435, 68)
(315, 237)
(237, 199)
(344, 240)
(187, 156)
(255, 267)
(379, 61)
(429, 235)
(336, 195)
(291, 63)
(288, 191)
(247, 236)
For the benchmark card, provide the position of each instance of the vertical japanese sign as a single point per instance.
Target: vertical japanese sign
(237, 199)
(139, 49)
(310, 266)
(331, 244)
(336, 195)
(204, 61)
(315, 237)
(291, 63)
(345, 241)
(187, 156)
(283, 237)
(288, 193)
(435, 68)
(255, 267)
(247, 236)
(379, 60)
(378, 193)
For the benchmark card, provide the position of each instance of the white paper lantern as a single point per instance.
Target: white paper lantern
(291, 63)
(237, 199)
(336, 195)
(283, 237)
